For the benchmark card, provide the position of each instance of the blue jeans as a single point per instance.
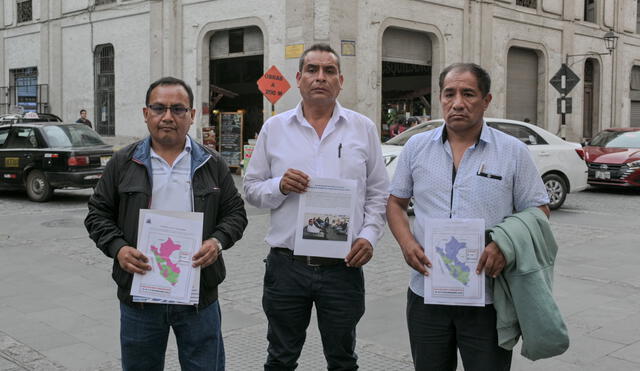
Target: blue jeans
(291, 288)
(144, 331)
(435, 331)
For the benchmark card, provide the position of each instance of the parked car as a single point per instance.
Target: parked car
(40, 153)
(613, 158)
(559, 162)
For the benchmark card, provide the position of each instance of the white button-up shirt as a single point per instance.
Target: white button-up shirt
(172, 184)
(349, 149)
(425, 172)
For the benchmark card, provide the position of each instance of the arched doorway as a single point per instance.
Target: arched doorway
(235, 65)
(406, 77)
(522, 84)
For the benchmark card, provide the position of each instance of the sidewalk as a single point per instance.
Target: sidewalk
(58, 308)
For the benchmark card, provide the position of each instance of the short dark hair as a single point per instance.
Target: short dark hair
(484, 80)
(168, 80)
(321, 48)
(83, 110)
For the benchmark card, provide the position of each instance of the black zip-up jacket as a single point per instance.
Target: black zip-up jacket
(125, 188)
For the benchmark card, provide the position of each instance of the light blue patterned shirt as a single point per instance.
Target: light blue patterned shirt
(425, 172)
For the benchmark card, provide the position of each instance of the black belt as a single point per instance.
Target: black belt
(312, 261)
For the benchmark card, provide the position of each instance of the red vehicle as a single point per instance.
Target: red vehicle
(613, 158)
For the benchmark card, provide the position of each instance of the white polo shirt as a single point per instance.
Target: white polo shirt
(172, 184)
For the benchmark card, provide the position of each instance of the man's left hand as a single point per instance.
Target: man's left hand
(360, 254)
(491, 260)
(207, 254)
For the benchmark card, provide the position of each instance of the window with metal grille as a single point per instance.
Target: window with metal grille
(528, 3)
(105, 89)
(25, 13)
(102, 2)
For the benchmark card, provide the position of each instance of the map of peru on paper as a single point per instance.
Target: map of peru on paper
(169, 240)
(454, 247)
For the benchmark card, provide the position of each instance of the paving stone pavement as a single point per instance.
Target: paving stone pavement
(58, 309)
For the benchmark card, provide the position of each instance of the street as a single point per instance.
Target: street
(59, 311)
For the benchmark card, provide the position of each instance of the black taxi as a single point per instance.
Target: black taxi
(39, 153)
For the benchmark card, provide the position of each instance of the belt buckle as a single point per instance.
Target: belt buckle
(309, 262)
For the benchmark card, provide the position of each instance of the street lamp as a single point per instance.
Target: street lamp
(610, 41)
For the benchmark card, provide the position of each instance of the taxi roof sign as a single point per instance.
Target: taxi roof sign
(273, 85)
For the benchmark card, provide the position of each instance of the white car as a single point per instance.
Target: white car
(560, 163)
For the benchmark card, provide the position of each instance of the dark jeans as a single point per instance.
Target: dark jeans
(435, 331)
(290, 289)
(144, 332)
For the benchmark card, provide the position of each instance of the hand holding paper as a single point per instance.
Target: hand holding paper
(360, 254)
(294, 181)
(491, 260)
(207, 254)
(132, 260)
(415, 257)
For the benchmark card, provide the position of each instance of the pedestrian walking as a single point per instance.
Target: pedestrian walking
(318, 138)
(167, 171)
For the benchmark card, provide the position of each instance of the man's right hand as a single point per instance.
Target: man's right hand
(294, 181)
(132, 260)
(415, 257)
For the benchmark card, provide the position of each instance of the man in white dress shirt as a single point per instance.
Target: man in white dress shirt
(318, 138)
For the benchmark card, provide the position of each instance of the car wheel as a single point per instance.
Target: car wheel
(38, 187)
(557, 190)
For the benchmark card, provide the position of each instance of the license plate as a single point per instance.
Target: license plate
(104, 160)
(603, 174)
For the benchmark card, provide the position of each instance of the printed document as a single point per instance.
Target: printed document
(454, 247)
(169, 239)
(325, 217)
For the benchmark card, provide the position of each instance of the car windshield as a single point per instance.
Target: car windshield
(617, 139)
(71, 136)
(402, 138)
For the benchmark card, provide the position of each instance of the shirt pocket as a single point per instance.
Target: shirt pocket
(352, 163)
(207, 200)
(132, 198)
(493, 188)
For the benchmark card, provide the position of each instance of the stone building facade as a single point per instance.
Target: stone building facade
(100, 55)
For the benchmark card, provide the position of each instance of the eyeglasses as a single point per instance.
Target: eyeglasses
(160, 109)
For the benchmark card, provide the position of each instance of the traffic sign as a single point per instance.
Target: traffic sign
(564, 105)
(273, 85)
(564, 80)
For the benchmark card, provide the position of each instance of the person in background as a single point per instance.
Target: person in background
(83, 118)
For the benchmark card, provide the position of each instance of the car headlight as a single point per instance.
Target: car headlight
(389, 159)
(634, 164)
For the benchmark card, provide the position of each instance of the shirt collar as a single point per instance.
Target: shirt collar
(187, 148)
(485, 136)
(338, 113)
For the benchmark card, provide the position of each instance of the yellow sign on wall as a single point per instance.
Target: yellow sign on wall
(293, 51)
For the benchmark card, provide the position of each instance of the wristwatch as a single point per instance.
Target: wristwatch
(217, 243)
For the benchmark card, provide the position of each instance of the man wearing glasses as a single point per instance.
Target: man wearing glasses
(167, 171)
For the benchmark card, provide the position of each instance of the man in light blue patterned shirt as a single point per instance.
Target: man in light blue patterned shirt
(463, 169)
